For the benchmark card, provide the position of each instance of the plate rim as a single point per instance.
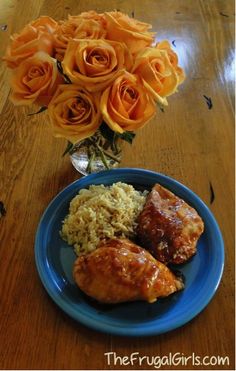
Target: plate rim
(95, 324)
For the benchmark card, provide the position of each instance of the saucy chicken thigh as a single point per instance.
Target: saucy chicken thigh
(168, 227)
(120, 271)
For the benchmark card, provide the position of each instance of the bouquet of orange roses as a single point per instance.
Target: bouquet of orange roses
(98, 75)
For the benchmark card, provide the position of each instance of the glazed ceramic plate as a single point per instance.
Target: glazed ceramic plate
(54, 260)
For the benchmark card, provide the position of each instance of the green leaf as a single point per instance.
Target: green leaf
(128, 136)
(110, 135)
(69, 149)
(2, 209)
(60, 69)
(106, 132)
(43, 108)
(161, 107)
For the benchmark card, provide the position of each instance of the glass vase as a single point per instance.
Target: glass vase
(96, 153)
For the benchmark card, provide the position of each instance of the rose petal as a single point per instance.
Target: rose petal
(35, 80)
(126, 105)
(81, 62)
(74, 113)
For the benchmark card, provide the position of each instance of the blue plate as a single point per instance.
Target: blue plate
(54, 260)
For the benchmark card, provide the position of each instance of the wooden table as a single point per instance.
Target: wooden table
(189, 141)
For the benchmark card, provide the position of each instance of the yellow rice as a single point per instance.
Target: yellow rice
(102, 212)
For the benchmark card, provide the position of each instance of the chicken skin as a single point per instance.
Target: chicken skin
(168, 227)
(120, 271)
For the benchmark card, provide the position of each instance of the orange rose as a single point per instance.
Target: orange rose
(91, 14)
(94, 64)
(126, 105)
(122, 28)
(74, 113)
(44, 24)
(76, 27)
(158, 74)
(173, 57)
(36, 36)
(35, 80)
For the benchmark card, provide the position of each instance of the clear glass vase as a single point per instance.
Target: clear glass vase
(95, 154)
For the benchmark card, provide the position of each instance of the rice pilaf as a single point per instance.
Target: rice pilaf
(102, 212)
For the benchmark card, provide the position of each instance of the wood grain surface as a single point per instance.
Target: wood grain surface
(189, 141)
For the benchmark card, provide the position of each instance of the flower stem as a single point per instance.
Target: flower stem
(89, 166)
(103, 157)
(96, 147)
(110, 155)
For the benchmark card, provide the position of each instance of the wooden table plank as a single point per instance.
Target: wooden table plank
(188, 141)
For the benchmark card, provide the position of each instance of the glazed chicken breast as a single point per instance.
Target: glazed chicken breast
(168, 227)
(120, 271)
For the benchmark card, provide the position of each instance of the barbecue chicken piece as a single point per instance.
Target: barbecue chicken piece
(120, 271)
(168, 227)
